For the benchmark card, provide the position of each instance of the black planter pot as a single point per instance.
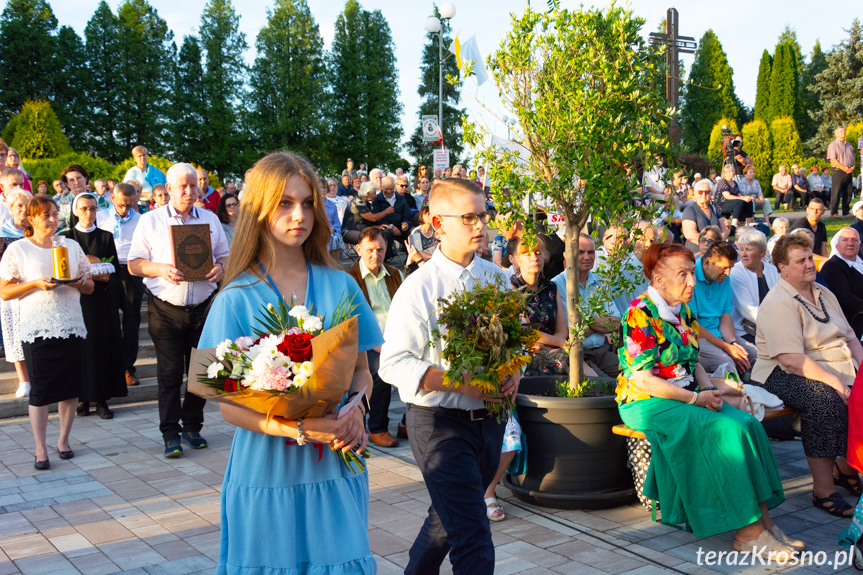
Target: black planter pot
(574, 461)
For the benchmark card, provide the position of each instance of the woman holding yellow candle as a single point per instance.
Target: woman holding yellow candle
(52, 326)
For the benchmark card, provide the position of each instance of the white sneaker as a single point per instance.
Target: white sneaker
(23, 389)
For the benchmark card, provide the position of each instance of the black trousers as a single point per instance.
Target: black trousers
(738, 209)
(458, 459)
(175, 331)
(130, 305)
(379, 404)
(841, 190)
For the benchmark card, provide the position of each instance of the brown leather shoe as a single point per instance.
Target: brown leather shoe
(402, 432)
(131, 379)
(383, 439)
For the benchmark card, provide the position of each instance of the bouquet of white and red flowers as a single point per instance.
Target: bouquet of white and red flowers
(291, 368)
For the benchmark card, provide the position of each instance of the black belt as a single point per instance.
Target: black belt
(192, 307)
(468, 414)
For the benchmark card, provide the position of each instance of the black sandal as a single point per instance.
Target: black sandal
(845, 480)
(839, 508)
(83, 408)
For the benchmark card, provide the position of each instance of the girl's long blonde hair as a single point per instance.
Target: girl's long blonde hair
(266, 183)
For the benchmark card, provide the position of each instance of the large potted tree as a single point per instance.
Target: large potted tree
(588, 93)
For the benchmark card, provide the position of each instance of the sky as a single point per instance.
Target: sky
(745, 29)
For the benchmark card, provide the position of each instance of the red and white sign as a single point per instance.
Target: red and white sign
(556, 218)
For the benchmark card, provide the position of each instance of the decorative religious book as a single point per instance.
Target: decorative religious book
(193, 251)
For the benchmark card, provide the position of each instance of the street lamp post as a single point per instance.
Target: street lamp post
(435, 26)
(510, 122)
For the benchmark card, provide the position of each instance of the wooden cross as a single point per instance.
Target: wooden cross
(676, 45)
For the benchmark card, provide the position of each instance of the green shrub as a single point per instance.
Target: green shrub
(714, 150)
(50, 169)
(35, 132)
(787, 148)
(759, 145)
(852, 134)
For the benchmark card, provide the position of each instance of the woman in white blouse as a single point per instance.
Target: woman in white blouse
(52, 326)
(751, 279)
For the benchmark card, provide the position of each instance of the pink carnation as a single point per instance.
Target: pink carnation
(244, 342)
(276, 380)
(293, 331)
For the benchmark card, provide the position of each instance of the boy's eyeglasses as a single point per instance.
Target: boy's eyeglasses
(468, 219)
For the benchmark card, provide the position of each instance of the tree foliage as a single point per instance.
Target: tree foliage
(783, 83)
(144, 74)
(187, 109)
(714, 150)
(787, 148)
(839, 88)
(762, 94)
(428, 90)
(709, 94)
(35, 132)
(224, 76)
(103, 92)
(758, 143)
(585, 127)
(365, 108)
(288, 100)
(810, 104)
(27, 47)
(70, 79)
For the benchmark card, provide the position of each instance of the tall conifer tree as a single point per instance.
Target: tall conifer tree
(27, 48)
(224, 76)
(288, 100)
(365, 113)
(70, 78)
(783, 83)
(144, 66)
(709, 95)
(188, 106)
(103, 92)
(762, 94)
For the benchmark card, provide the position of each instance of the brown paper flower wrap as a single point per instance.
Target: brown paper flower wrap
(334, 355)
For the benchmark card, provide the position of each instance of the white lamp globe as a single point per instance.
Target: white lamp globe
(433, 25)
(447, 10)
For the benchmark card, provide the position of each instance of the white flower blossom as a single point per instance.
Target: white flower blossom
(313, 324)
(300, 380)
(307, 368)
(300, 312)
(213, 370)
(222, 349)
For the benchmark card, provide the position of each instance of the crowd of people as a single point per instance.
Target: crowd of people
(696, 303)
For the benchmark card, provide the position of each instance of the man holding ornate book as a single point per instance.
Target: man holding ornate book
(177, 307)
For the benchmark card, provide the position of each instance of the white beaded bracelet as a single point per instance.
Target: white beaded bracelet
(694, 398)
(301, 440)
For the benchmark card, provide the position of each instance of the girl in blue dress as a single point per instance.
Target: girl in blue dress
(284, 510)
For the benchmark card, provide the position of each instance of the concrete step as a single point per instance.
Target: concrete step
(148, 390)
(145, 367)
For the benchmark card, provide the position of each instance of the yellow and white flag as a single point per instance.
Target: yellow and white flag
(467, 52)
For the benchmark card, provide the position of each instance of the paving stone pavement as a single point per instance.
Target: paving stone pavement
(119, 506)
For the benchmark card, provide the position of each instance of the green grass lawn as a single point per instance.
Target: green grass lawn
(836, 224)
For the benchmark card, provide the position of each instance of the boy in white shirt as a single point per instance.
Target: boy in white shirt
(455, 442)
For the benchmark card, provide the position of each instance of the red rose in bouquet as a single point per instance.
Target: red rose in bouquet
(230, 385)
(297, 346)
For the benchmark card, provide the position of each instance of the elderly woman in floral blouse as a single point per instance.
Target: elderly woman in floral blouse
(711, 465)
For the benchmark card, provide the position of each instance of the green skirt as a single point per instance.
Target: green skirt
(709, 469)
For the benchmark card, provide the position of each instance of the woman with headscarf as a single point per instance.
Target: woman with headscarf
(843, 273)
(104, 375)
(13, 230)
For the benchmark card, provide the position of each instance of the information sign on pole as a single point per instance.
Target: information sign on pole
(441, 159)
